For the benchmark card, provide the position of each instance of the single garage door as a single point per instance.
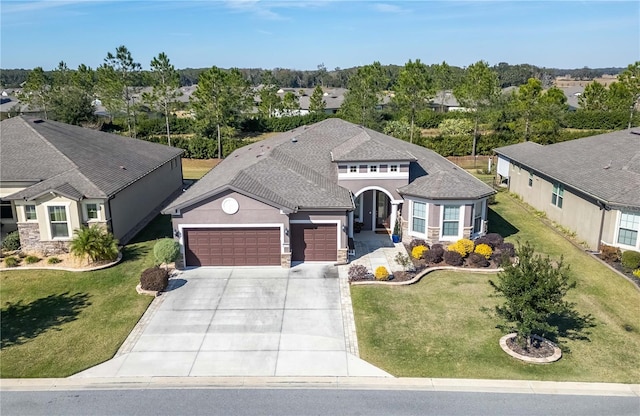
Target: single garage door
(232, 247)
(314, 242)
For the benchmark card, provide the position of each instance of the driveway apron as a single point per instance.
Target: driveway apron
(243, 322)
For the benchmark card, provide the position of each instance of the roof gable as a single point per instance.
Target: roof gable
(39, 150)
(605, 166)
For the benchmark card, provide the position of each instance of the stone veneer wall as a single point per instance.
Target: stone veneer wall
(30, 240)
(343, 256)
(285, 260)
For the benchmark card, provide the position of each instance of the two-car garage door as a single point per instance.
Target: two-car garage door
(232, 246)
(258, 246)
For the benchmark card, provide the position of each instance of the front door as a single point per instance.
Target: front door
(383, 208)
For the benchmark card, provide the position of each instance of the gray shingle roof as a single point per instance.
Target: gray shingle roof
(80, 161)
(606, 166)
(295, 170)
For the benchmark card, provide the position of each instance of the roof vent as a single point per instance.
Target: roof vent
(38, 121)
(635, 132)
(294, 140)
(123, 168)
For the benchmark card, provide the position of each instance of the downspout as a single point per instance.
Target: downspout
(603, 208)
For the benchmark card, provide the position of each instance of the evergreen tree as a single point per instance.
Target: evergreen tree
(413, 90)
(36, 91)
(165, 81)
(316, 102)
(365, 94)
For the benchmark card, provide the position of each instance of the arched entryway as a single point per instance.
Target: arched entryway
(375, 210)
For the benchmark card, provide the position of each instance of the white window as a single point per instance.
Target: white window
(58, 221)
(450, 220)
(373, 168)
(557, 195)
(393, 168)
(357, 214)
(477, 216)
(92, 212)
(353, 169)
(419, 217)
(30, 212)
(628, 229)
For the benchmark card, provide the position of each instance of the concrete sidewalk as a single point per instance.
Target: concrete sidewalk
(340, 383)
(374, 250)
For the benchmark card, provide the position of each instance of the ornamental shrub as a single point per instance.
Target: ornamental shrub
(358, 272)
(11, 261)
(507, 249)
(483, 240)
(609, 253)
(154, 278)
(11, 242)
(636, 273)
(94, 242)
(381, 273)
(457, 248)
(467, 245)
(484, 250)
(53, 260)
(31, 259)
(495, 240)
(417, 242)
(631, 259)
(453, 258)
(478, 260)
(435, 253)
(418, 252)
(166, 251)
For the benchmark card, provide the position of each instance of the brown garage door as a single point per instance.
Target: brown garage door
(314, 242)
(232, 247)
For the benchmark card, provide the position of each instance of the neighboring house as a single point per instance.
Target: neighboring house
(590, 186)
(297, 196)
(55, 177)
(445, 101)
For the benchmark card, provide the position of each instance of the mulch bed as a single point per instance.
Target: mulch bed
(538, 349)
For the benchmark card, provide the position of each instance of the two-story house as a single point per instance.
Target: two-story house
(296, 197)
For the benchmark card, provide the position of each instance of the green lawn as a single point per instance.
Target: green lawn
(435, 328)
(197, 168)
(56, 323)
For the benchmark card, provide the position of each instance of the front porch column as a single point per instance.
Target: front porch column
(350, 224)
(394, 216)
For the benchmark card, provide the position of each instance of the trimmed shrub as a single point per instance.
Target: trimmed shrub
(435, 253)
(631, 259)
(478, 260)
(483, 240)
(358, 272)
(381, 273)
(453, 258)
(403, 260)
(11, 261)
(484, 250)
(11, 242)
(53, 260)
(166, 251)
(154, 278)
(467, 245)
(418, 252)
(494, 240)
(457, 248)
(610, 253)
(417, 242)
(31, 259)
(636, 273)
(508, 249)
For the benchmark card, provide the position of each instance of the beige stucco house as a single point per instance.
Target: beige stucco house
(297, 197)
(56, 177)
(590, 186)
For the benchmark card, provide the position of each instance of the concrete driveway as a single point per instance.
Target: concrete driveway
(244, 322)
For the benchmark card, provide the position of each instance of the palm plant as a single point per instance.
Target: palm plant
(94, 242)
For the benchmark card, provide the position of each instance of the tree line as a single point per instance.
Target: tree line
(223, 103)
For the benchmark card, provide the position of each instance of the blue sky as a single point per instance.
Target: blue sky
(303, 34)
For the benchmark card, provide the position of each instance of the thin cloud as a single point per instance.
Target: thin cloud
(254, 7)
(389, 8)
(9, 7)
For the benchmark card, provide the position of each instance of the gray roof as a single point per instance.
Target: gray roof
(73, 161)
(606, 166)
(295, 170)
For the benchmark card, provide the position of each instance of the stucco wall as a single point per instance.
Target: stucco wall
(131, 205)
(578, 214)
